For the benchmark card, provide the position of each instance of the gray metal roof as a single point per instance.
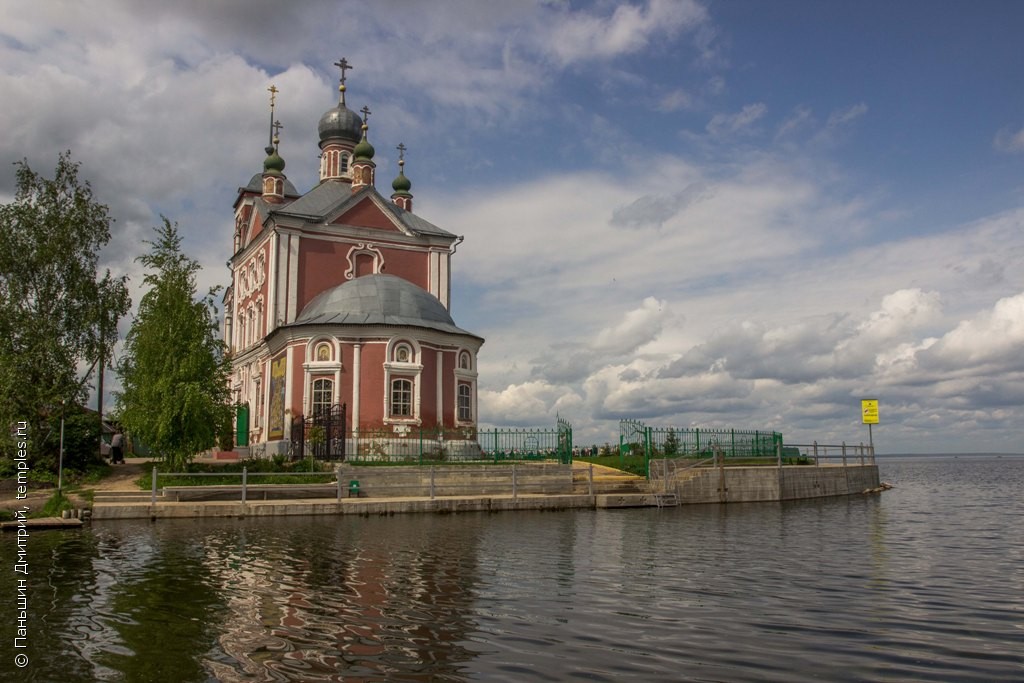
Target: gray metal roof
(379, 300)
(256, 185)
(331, 197)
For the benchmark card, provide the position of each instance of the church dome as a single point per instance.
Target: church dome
(273, 164)
(340, 122)
(401, 184)
(364, 150)
(378, 300)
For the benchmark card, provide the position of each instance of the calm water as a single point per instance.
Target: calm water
(922, 583)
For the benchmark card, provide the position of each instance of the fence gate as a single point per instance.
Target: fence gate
(321, 436)
(564, 441)
(635, 439)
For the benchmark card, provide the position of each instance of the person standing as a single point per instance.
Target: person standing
(116, 454)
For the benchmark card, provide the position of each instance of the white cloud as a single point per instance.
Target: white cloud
(842, 117)
(1008, 140)
(798, 120)
(727, 125)
(993, 338)
(675, 100)
(578, 36)
(640, 326)
(687, 286)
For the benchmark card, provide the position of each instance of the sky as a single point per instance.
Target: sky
(730, 213)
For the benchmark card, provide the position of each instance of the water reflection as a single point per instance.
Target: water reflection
(921, 583)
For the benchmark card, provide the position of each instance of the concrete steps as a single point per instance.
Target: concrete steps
(608, 482)
(123, 496)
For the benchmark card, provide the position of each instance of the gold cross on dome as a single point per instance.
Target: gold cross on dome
(344, 66)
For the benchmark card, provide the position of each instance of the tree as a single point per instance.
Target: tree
(57, 316)
(671, 443)
(174, 369)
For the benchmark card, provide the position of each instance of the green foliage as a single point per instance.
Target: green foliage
(671, 446)
(81, 440)
(57, 313)
(56, 504)
(174, 371)
(226, 438)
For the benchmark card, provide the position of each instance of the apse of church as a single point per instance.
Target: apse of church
(341, 296)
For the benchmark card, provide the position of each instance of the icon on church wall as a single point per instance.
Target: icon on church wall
(278, 370)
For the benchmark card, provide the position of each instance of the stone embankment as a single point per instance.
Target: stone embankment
(526, 486)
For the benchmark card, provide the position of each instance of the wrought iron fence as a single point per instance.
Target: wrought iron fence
(326, 438)
(635, 438)
(528, 444)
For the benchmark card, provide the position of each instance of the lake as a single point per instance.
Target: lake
(924, 582)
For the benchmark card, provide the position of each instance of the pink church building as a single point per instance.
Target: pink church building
(340, 297)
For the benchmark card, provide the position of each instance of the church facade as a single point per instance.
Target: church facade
(341, 297)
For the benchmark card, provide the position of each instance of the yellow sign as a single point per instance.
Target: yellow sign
(869, 411)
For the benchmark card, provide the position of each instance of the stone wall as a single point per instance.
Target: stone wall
(758, 484)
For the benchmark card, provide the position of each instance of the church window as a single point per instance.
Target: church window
(465, 403)
(401, 398)
(344, 163)
(323, 396)
(365, 264)
(403, 353)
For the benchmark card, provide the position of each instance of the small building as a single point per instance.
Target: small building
(341, 297)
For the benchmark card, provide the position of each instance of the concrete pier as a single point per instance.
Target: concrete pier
(462, 490)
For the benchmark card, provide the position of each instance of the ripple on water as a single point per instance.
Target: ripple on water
(921, 583)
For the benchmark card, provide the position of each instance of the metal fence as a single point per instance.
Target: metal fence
(528, 444)
(403, 444)
(832, 453)
(635, 438)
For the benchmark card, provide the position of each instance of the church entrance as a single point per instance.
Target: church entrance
(320, 436)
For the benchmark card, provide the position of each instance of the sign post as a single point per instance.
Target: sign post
(869, 416)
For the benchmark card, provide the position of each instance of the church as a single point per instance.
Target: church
(340, 297)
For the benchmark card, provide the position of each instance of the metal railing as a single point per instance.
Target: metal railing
(859, 453)
(245, 474)
(501, 481)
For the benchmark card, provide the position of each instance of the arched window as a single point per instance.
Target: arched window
(323, 396)
(401, 398)
(344, 164)
(465, 403)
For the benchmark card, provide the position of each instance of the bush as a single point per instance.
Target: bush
(57, 503)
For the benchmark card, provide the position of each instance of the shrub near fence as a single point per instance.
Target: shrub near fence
(637, 439)
(697, 442)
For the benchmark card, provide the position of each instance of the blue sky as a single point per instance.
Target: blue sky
(746, 214)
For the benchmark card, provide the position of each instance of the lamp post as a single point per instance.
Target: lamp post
(60, 460)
